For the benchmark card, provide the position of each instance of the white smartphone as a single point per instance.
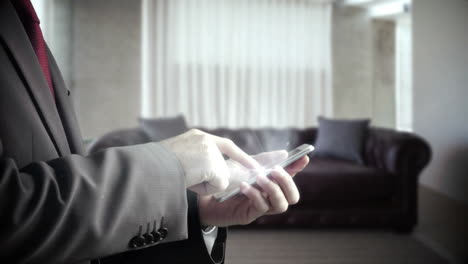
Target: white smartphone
(293, 155)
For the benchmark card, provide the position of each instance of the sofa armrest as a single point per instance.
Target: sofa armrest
(396, 152)
(403, 155)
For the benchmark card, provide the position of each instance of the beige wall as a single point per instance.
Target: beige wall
(58, 33)
(352, 62)
(441, 91)
(363, 66)
(383, 84)
(97, 46)
(440, 66)
(106, 64)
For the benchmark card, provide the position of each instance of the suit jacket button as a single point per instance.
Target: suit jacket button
(132, 244)
(137, 241)
(148, 238)
(163, 231)
(156, 236)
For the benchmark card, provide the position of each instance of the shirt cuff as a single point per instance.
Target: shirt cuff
(210, 237)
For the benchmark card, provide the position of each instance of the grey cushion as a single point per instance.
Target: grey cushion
(343, 139)
(161, 128)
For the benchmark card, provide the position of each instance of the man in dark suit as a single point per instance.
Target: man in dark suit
(120, 205)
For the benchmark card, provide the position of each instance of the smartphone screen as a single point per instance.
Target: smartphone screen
(293, 155)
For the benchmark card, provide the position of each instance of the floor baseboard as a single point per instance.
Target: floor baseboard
(430, 243)
(443, 224)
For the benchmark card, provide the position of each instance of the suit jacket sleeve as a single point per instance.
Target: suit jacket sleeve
(78, 208)
(192, 250)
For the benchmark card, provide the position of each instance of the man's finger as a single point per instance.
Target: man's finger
(254, 195)
(286, 183)
(297, 166)
(278, 201)
(226, 146)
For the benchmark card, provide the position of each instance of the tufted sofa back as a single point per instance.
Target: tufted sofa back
(384, 148)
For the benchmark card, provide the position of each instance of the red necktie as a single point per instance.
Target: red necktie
(30, 21)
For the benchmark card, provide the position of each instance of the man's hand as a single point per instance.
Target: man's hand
(270, 196)
(201, 156)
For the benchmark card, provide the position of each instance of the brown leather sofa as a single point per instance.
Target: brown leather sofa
(334, 193)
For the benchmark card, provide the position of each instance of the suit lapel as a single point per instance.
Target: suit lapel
(17, 41)
(64, 105)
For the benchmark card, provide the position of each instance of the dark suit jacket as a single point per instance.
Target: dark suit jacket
(58, 205)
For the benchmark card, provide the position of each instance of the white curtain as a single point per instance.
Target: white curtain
(237, 63)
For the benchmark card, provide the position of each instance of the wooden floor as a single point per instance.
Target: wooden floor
(320, 247)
